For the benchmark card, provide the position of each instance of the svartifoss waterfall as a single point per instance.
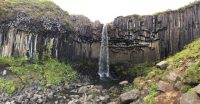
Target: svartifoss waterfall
(104, 55)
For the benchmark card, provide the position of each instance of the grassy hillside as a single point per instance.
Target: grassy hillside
(35, 8)
(184, 66)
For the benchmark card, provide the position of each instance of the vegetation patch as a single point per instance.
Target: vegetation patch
(149, 99)
(192, 74)
(47, 73)
(35, 8)
(134, 70)
(190, 51)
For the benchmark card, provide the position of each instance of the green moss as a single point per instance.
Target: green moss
(155, 72)
(9, 86)
(49, 72)
(128, 87)
(192, 74)
(185, 88)
(149, 99)
(35, 8)
(190, 51)
(191, 91)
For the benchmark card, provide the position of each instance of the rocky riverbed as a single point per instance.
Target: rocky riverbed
(74, 93)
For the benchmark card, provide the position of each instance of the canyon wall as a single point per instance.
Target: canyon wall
(21, 36)
(155, 36)
(132, 39)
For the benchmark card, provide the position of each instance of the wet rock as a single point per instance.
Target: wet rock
(162, 64)
(123, 82)
(189, 99)
(129, 96)
(165, 86)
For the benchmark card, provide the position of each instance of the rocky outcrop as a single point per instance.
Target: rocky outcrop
(139, 39)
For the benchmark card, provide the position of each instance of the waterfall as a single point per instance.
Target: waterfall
(104, 55)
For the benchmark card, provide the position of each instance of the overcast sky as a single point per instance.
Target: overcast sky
(107, 10)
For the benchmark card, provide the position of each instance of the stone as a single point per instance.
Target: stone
(107, 98)
(4, 72)
(165, 86)
(39, 101)
(123, 82)
(168, 98)
(178, 85)
(56, 102)
(89, 97)
(172, 75)
(197, 89)
(7, 102)
(102, 98)
(26, 101)
(162, 64)
(19, 98)
(83, 89)
(130, 96)
(35, 97)
(187, 98)
(13, 102)
(39, 88)
(50, 95)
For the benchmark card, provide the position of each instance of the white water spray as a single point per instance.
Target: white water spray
(104, 55)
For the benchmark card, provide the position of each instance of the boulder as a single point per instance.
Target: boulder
(165, 86)
(83, 89)
(178, 85)
(168, 98)
(189, 99)
(123, 82)
(162, 65)
(129, 96)
(197, 89)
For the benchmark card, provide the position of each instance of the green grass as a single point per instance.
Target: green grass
(192, 75)
(9, 86)
(50, 72)
(190, 51)
(35, 8)
(149, 99)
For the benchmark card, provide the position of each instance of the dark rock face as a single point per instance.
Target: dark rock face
(138, 39)
(20, 35)
(132, 39)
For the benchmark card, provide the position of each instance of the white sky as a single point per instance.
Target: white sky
(107, 10)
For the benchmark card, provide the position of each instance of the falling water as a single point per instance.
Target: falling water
(104, 55)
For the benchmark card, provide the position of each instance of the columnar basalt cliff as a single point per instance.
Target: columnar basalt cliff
(139, 39)
(132, 39)
(52, 34)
